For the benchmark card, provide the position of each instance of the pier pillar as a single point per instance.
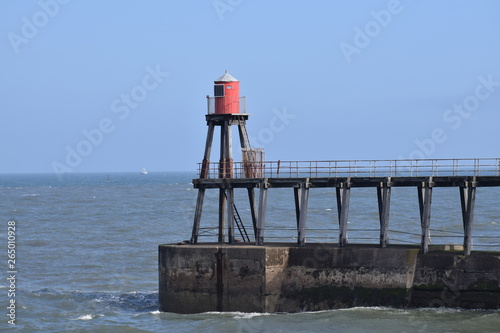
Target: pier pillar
(230, 214)
(244, 140)
(384, 203)
(302, 208)
(205, 166)
(197, 216)
(467, 200)
(253, 210)
(226, 151)
(261, 216)
(343, 197)
(222, 215)
(296, 195)
(424, 203)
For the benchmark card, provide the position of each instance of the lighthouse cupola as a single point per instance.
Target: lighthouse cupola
(227, 94)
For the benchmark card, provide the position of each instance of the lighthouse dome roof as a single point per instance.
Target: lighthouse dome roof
(226, 78)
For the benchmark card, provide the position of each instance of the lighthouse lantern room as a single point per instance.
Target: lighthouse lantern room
(227, 94)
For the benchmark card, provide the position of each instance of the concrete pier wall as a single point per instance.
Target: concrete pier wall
(287, 278)
(451, 280)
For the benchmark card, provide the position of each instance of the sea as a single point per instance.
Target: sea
(80, 254)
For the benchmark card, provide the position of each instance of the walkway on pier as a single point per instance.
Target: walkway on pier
(465, 174)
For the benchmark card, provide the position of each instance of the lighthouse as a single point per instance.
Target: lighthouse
(225, 110)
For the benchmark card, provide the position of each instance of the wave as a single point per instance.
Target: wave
(135, 301)
(88, 317)
(237, 314)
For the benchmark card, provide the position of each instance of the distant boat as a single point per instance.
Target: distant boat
(107, 179)
(144, 171)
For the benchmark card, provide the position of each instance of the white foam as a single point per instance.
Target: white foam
(249, 315)
(85, 317)
(240, 315)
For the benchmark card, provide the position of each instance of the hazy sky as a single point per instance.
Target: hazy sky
(120, 85)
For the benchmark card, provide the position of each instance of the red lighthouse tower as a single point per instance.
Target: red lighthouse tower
(227, 94)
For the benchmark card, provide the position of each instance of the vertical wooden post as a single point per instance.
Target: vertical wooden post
(246, 167)
(343, 197)
(226, 158)
(229, 152)
(253, 210)
(424, 204)
(261, 218)
(197, 216)
(384, 203)
(224, 172)
(222, 215)
(467, 200)
(230, 214)
(296, 196)
(223, 150)
(242, 131)
(205, 166)
(304, 198)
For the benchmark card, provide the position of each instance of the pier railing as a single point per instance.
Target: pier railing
(358, 168)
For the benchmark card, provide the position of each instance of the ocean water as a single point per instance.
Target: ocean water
(86, 253)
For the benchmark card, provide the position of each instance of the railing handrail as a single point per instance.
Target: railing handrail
(363, 168)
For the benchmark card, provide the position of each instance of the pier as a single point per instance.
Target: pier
(253, 274)
(301, 176)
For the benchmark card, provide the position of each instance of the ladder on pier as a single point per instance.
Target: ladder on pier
(239, 223)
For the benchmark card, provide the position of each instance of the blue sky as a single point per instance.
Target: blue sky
(122, 84)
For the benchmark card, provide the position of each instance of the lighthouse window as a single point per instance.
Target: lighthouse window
(229, 87)
(219, 90)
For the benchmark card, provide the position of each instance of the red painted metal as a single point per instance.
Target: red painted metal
(230, 101)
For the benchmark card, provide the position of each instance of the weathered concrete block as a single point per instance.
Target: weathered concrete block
(480, 262)
(454, 280)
